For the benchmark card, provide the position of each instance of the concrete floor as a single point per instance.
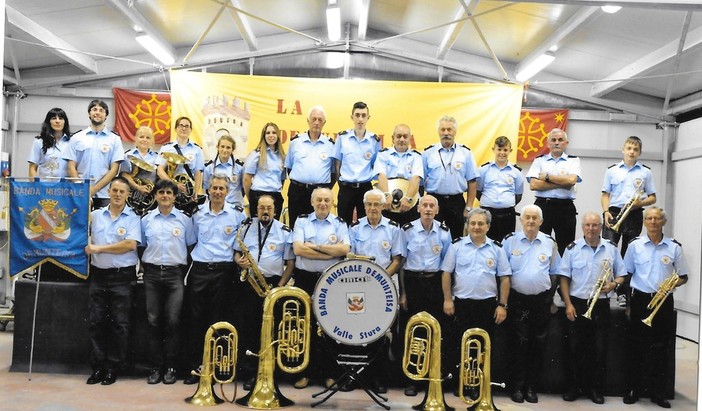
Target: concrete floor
(49, 392)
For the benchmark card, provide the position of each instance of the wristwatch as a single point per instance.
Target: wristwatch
(548, 178)
(502, 305)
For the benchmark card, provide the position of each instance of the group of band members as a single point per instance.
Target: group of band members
(470, 282)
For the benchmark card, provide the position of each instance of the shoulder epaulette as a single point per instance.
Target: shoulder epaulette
(455, 240)
(539, 156)
(303, 216)
(248, 221)
(613, 165)
(444, 227)
(571, 245)
(237, 161)
(286, 228)
(209, 162)
(384, 149)
(465, 146)
(428, 147)
(407, 226)
(612, 242)
(417, 152)
(341, 220)
(393, 223)
(508, 236)
(296, 136)
(497, 243)
(375, 136)
(517, 167)
(550, 238)
(644, 165)
(571, 156)
(484, 164)
(331, 140)
(258, 149)
(239, 208)
(115, 133)
(633, 239)
(354, 224)
(73, 134)
(676, 242)
(196, 145)
(341, 133)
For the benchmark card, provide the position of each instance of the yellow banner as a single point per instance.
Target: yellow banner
(243, 104)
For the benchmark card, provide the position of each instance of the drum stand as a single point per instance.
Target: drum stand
(354, 365)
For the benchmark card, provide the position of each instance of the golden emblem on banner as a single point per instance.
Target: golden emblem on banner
(47, 222)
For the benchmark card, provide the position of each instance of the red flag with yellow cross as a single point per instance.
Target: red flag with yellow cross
(134, 109)
(534, 126)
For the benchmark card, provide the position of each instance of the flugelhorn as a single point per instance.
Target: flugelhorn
(422, 359)
(606, 272)
(661, 294)
(475, 369)
(218, 363)
(293, 353)
(252, 274)
(628, 206)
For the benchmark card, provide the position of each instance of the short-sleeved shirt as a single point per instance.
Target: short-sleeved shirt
(395, 164)
(448, 171)
(269, 179)
(499, 186)
(583, 265)
(94, 153)
(51, 163)
(650, 264)
(425, 250)
(234, 169)
(310, 162)
(216, 233)
(475, 268)
(269, 246)
(105, 230)
(356, 156)
(563, 165)
(310, 229)
(532, 262)
(167, 237)
(383, 241)
(150, 158)
(620, 182)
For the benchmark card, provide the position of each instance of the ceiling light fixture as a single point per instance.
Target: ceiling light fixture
(153, 47)
(530, 69)
(333, 21)
(610, 9)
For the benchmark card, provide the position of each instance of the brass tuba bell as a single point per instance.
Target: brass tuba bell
(475, 369)
(138, 201)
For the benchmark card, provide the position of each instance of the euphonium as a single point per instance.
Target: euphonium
(606, 272)
(253, 274)
(183, 201)
(661, 294)
(218, 363)
(138, 201)
(293, 353)
(475, 369)
(422, 358)
(626, 209)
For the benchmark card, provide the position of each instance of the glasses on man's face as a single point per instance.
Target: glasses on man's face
(184, 126)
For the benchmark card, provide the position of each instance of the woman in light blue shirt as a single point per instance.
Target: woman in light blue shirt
(46, 156)
(264, 170)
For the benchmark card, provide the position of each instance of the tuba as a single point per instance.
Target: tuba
(218, 363)
(475, 369)
(138, 201)
(626, 209)
(661, 294)
(293, 353)
(253, 274)
(422, 358)
(606, 271)
(183, 200)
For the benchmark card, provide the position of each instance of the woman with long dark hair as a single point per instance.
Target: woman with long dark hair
(46, 156)
(263, 170)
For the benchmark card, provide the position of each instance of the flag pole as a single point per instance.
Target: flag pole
(34, 321)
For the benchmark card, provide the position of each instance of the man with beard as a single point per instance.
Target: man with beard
(269, 244)
(95, 154)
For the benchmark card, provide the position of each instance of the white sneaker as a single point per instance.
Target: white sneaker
(621, 300)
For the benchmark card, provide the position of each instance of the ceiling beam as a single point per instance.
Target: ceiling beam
(242, 23)
(138, 19)
(21, 23)
(685, 104)
(692, 5)
(452, 31)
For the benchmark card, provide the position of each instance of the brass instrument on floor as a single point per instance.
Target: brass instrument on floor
(138, 201)
(422, 359)
(626, 209)
(293, 352)
(475, 369)
(252, 274)
(218, 363)
(659, 298)
(606, 272)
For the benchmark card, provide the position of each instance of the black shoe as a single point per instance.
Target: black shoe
(249, 384)
(596, 397)
(631, 397)
(411, 391)
(191, 379)
(530, 396)
(154, 377)
(517, 396)
(109, 378)
(347, 387)
(170, 376)
(571, 394)
(96, 377)
(660, 401)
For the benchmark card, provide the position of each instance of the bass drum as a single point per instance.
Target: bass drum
(355, 302)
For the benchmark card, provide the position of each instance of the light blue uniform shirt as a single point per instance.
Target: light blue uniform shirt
(425, 250)
(94, 153)
(151, 157)
(564, 165)
(309, 229)
(270, 179)
(104, 230)
(383, 241)
(276, 246)
(310, 163)
(234, 169)
(216, 233)
(167, 237)
(191, 151)
(51, 163)
(356, 156)
(532, 262)
(448, 171)
(620, 182)
(475, 268)
(499, 185)
(399, 165)
(583, 266)
(650, 264)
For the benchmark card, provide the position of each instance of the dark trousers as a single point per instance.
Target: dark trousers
(469, 314)
(504, 221)
(253, 202)
(529, 317)
(163, 286)
(402, 218)
(586, 342)
(110, 306)
(559, 217)
(630, 229)
(300, 199)
(451, 209)
(648, 345)
(350, 197)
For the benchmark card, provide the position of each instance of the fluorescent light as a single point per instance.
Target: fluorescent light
(528, 71)
(152, 46)
(334, 22)
(610, 9)
(335, 60)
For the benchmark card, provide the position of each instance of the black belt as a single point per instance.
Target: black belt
(554, 200)
(354, 185)
(131, 269)
(421, 274)
(446, 196)
(213, 266)
(305, 272)
(634, 291)
(315, 185)
(500, 211)
(162, 267)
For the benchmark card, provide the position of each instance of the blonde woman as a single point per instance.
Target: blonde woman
(263, 170)
(225, 164)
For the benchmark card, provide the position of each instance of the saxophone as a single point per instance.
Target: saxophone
(252, 274)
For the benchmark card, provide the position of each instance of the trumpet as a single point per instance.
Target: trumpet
(218, 363)
(628, 206)
(661, 294)
(422, 358)
(252, 274)
(606, 272)
(475, 369)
